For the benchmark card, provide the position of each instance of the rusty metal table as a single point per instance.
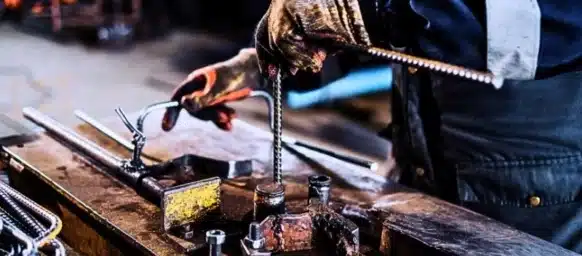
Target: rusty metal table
(103, 216)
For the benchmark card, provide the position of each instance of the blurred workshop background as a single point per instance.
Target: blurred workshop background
(95, 55)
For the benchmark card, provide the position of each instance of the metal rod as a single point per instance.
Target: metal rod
(111, 134)
(55, 223)
(371, 165)
(432, 65)
(69, 136)
(93, 150)
(104, 129)
(147, 110)
(269, 100)
(28, 242)
(277, 130)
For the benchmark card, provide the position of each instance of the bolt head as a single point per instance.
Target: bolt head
(188, 234)
(255, 244)
(215, 236)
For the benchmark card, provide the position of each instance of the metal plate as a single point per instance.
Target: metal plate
(190, 202)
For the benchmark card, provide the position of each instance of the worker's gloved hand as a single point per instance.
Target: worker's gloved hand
(298, 34)
(205, 91)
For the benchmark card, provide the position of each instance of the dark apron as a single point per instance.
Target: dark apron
(513, 154)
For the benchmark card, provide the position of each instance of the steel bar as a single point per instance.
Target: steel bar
(291, 141)
(432, 65)
(28, 242)
(93, 150)
(147, 110)
(55, 223)
(104, 129)
(277, 130)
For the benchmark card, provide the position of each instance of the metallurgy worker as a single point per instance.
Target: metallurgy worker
(514, 154)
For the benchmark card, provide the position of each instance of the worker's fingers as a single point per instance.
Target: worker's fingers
(195, 85)
(170, 118)
(220, 115)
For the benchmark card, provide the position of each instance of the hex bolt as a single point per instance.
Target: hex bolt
(255, 232)
(319, 188)
(215, 238)
(187, 232)
(254, 243)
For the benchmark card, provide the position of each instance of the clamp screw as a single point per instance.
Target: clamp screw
(215, 238)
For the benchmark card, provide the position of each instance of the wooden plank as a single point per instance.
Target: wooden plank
(403, 213)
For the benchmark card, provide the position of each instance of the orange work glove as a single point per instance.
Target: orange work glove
(206, 90)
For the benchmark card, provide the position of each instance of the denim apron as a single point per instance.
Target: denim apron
(513, 154)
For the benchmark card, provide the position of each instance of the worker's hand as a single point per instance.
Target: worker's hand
(293, 33)
(205, 91)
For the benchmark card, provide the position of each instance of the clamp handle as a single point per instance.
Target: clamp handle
(138, 141)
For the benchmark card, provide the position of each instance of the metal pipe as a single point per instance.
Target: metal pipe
(147, 110)
(93, 150)
(69, 136)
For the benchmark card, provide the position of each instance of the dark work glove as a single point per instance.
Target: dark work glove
(205, 91)
(298, 34)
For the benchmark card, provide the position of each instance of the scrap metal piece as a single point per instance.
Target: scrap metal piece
(204, 165)
(319, 227)
(333, 229)
(190, 202)
(269, 199)
(288, 232)
(215, 238)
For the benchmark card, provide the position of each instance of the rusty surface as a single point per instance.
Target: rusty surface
(190, 203)
(334, 230)
(288, 232)
(434, 223)
(454, 230)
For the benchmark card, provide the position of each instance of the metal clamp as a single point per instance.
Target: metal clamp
(138, 141)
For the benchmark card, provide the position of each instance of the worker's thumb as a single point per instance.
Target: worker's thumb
(170, 118)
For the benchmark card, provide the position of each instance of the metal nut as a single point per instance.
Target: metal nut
(255, 244)
(215, 236)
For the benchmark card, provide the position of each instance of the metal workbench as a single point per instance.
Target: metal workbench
(102, 216)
